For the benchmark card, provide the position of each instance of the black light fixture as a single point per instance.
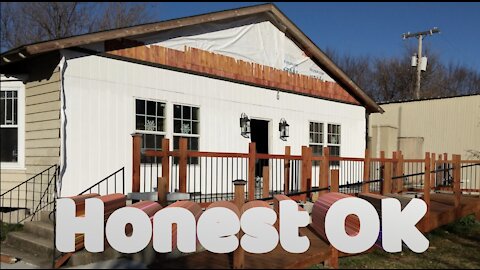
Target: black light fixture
(283, 127)
(244, 126)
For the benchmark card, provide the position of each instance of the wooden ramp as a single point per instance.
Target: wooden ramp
(442, 206)
(443, 211)
(318, 252)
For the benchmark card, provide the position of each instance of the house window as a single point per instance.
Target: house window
(316, 139)
(150, 122)
(9, 126)
(186, 124)
(333, 141)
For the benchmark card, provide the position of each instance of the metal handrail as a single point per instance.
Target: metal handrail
(29, 179)
(106, 178)
(33, 181)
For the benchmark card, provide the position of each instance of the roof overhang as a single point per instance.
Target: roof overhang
(21, 54)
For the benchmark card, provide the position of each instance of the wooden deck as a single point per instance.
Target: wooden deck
(442, 209)
(318, 252)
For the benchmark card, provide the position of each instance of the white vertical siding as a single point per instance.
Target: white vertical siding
(100, 112)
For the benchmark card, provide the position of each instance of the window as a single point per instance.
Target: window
(186, 124)
(333, 141)
(9, 126)
(316, 139)
(150, 122)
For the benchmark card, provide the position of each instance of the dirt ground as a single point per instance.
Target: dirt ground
(452, 246)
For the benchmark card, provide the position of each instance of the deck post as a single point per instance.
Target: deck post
(332, 261)
(387, 178)
(266, 182)
(426, 192)
(456, 181)
(182, 168)
(162, 190)
(239, 201)
(286, 171)
(306, 183)
(335, 176)
(399, 172)
(136, 160)
(439, 174)
(366, 172)
(251, 171)
(394, 170)
(433, 167)
(324, 170)
(166, 162)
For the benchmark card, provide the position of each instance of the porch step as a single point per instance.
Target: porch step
(31, 243)
(45, 217)
(39, 228)
(14, 216)
(84, 257)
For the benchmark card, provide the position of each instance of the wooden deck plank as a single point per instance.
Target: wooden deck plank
(442, 212)
(318, 252)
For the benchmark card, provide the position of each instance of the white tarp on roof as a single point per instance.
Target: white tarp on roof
(251, 39)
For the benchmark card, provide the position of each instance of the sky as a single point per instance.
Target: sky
(373, 29)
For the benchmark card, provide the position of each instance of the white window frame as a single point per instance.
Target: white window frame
(184, 134)
(165, 118)
(14, 85)
(174, 134)
(334, 144)
(322, 144)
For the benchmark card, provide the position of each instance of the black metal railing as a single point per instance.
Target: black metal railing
(470, 177)
(210, 178)
(31, 196)
(109, 184)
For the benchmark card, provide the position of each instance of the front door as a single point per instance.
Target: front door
(259, 132)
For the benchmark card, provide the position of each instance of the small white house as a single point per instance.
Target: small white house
(85, 95)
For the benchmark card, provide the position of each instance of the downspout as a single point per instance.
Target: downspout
(63, 133)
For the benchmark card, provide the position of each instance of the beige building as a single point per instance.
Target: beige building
(440, 125)
(30, 131)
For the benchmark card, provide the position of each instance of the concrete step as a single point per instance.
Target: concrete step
(45, 217)
(26, 259)
(39, 228)
(84, 257)
(30, 243)
(14, 216)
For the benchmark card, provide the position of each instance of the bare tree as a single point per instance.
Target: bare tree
(120, 14)
(29, 22)
(392, 78)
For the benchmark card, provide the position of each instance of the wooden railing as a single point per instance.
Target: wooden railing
(209, 176)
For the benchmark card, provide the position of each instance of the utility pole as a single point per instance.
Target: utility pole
(420, 36)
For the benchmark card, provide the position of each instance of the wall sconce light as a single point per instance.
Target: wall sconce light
(244, 126)
(283, 127)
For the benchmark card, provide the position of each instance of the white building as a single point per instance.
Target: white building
(85, 95)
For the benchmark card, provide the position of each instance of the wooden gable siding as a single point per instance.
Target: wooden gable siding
(209, 63)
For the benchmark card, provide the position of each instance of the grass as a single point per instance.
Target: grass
(5, 228)
(456, 245)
